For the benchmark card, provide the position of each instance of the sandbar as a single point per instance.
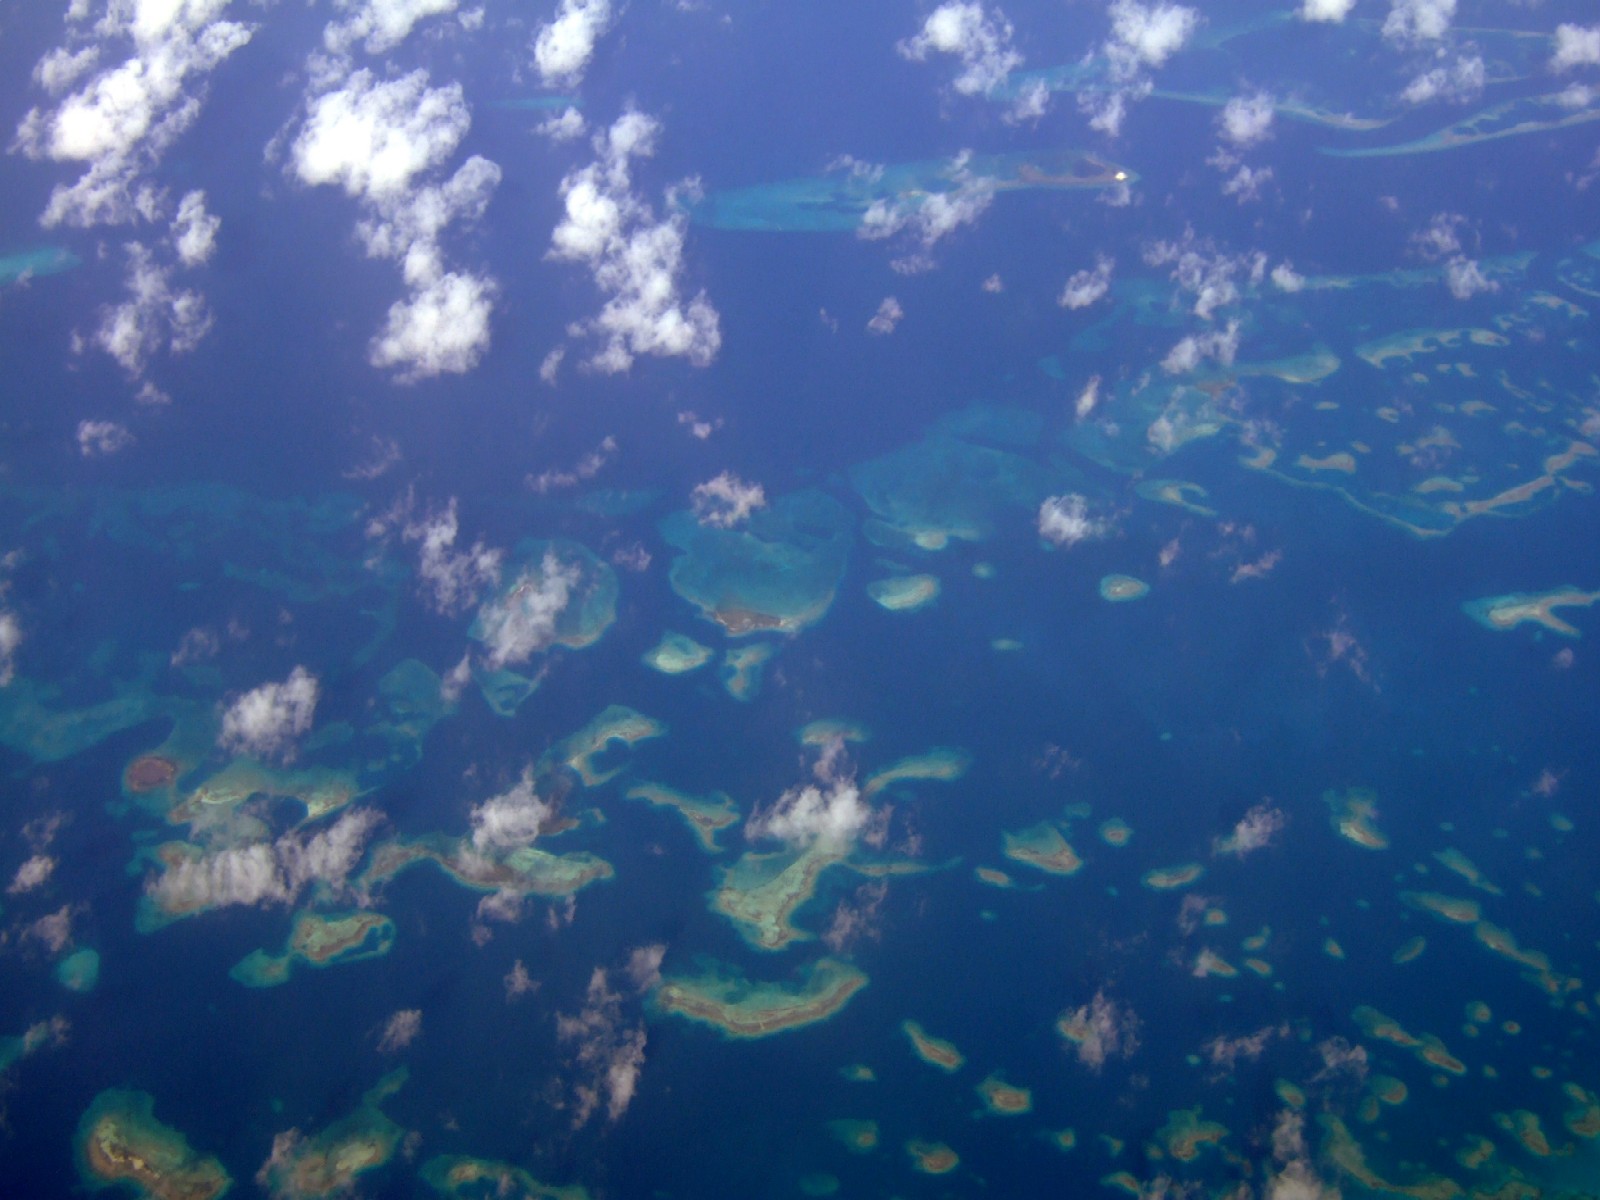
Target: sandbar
(858, 1136)
(1004, 1099)
(1043, 847)
(1118, 589)
(459, 1177)
(904, 593)
(827, 729)
(943, 764)
(1354, 813)
(1501, 613)
(932, 1158)
(936, 1052)
(1447, 908)
(1166, 879)
(677, 654)
(582, 750)
(319, 941)
(728, 1001)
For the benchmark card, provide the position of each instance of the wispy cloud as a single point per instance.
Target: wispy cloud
(1087, 286)
(980, 39)
(726, 501)
(267, 720)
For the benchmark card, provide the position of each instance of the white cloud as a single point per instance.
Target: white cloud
(1412, 21)
(1296, 1179)
(453, 579)
(194, 230)
(1210, 275)
(1466, 279)
(1576, 46)
(1088, 285)
(400, 1030)
(1331, 11)
(635, 259)
(265, 872)
(887, 317)
(726, 501)
(122, 119)
(832, 814)
(53, 930)
(1101, 1029)
(1246, 120)
(102, 437)
(266, 720)
(1254, 831)
(1065, 520)
(563, 47)
(32, 874)
(586, 467)
(564, 126)
(521, 622)
(1032, 102)
(10, 642)
(1219, 344)
(1286, 279)
(376, 140)
(154, 317)
(1455, 83)
(1245, 184)
(980, 40)
(380, 25)
(510, 820)
(1087, 398)
(1441, 238)
(1146, 35)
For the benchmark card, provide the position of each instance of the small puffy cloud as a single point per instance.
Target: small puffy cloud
(1087, 398)
(1246, 182)
(510, 820)
(1219, 345)
(96, 438)
(586, 467)
(1101, 1030)
(1413, 21)
(1465, 279)
(634, 258)
(1330, 11)
(1146, 35)
(400, 1030)
(519, 623)
(610, 1052)
(120, 120)
(982, 41)
(194, 230)
(452, 579)
(380, 25)
(265, 721)
(518, 982)
(1225, 1052)
(1286, 279)
(1457, 82)
(154, 317)
(1088, 285)
(856, 918)
(726, 501)
(373, 138)
(565, 126)
(1065, 520)
(1255, 830)
(829, 811)
(929, 216)
(31, 874)
(1208, 274)
(442, 326)
(10, 642)
(53, 931)
(563, 47)
(1576, 46)
(1246, 120)
(1441, 238)
(1295, 1179)
(886, 318)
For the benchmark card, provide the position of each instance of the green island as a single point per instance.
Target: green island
(120, 1142)
(318, 941)
(705, 815)
(329, 1163)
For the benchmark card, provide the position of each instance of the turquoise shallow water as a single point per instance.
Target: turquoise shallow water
(359, 840)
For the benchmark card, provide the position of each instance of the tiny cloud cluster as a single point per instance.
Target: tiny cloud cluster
(96, 438)
(1143, 37)
(830, 812)
(1065, 520)
(521, 622)
(1255, 830)
(266, 720)
(563, 47)
(726, 501)
(1088, 285)
(10, 642)
(1219, 345)
(1441, 240)
(1330, 11)
(886, 318)
(1411, 22)
(1101, 1029)
(266, 872)
(1455, 82)
(929, 216)
(400, 1030)
(379, 25)
(980, 40)
(452, 579)
(1208, 274)
(634, 258)
(377, 139)
(610, 1050)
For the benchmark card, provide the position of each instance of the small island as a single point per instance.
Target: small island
(936, 1052)
(120, 1141)
(739, 1008)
